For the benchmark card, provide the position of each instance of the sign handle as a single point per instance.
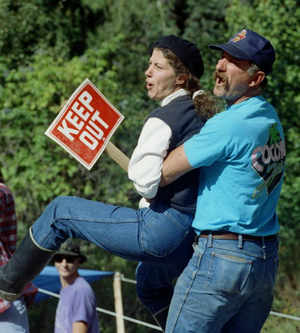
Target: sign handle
(117, 155)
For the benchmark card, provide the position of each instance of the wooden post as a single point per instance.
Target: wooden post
(118, 303)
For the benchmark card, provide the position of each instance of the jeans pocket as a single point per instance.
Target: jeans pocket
(162, 233)
(227, 274)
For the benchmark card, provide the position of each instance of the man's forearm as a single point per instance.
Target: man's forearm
(80, 327)
(175, 165)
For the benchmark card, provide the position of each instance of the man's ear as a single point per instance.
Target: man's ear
(256, 78)
(182, 79)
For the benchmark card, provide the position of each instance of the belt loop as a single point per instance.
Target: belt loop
(210, 237)
(240, 241)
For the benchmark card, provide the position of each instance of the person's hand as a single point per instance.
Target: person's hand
(145, 203)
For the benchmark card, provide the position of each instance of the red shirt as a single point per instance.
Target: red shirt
(8, 240)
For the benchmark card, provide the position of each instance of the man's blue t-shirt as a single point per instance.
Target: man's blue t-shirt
(241, 152)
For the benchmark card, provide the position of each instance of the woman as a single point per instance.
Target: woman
(161, 234)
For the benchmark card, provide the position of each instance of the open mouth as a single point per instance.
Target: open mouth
(220, 78)
(149, 85)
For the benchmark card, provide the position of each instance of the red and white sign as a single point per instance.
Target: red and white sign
(85, 124)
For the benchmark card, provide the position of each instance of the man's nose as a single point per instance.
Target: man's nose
(64, 262)
(221, 64)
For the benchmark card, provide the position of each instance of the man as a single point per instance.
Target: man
(228, 284)
(76, 310)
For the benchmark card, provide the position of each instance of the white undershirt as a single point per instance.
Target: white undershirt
(147, 159)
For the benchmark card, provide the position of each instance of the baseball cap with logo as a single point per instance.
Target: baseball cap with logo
(248, 45)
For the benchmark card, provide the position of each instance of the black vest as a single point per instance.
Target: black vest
(181, 116)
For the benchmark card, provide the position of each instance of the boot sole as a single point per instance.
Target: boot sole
(10, 297)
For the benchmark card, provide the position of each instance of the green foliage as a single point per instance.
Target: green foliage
(31, 100)
(205, 25)
(276, 324)
(58, 26)
(48, 47)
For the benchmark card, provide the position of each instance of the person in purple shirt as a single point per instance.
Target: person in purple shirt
(76, 310)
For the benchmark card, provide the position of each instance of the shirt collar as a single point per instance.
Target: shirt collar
(236, 106)
(168, 99)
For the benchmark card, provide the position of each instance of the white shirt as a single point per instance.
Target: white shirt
(147, 159)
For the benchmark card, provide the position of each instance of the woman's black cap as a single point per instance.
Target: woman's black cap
(187, 52)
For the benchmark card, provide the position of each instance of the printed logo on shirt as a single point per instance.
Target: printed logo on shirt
(268, 162)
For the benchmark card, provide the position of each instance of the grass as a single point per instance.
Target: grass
(276, 324)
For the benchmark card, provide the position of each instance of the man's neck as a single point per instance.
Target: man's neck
(66, 281)
(250, 93)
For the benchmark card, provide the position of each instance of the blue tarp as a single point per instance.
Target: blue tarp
(49, 280)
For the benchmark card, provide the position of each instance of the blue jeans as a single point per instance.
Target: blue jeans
(159, 236)
(225, 288)
(15, 318)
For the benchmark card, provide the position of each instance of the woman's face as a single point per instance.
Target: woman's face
(161, 77)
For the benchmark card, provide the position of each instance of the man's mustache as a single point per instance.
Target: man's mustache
(218, 75)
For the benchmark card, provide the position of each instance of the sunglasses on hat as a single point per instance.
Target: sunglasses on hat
(60, 258)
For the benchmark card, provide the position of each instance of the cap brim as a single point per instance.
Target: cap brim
(230, 49)
(71, 254)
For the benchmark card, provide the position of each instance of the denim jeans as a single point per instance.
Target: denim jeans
(158, 235)
(225, 288)
(15, 318)
(154, 282)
